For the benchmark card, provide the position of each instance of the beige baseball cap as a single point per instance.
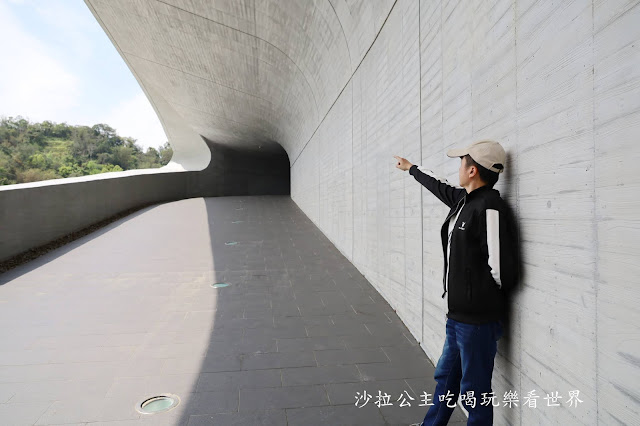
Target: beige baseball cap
(489, 154)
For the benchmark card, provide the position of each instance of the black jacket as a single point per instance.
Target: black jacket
(483, 261)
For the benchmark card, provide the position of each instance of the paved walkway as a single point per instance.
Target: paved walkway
(94, 328)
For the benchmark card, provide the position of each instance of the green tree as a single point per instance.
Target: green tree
(150, 159)
(36, 175)
(111, 168)
(7, 170)
(104, 131)
(104, 158)
(81, 140)
(61, 130)
(23, 152)
(40, 161)
(92, 167)
(166, 152)
(123, 157)
(72, 169)
(48, 150)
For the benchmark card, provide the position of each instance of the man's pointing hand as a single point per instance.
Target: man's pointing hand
(402, 163)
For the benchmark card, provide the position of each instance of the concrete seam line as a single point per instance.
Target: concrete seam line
(348, 81)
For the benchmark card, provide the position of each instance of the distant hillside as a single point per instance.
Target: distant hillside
(31, 152)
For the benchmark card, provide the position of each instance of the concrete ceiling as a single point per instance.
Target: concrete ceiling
(253, 74)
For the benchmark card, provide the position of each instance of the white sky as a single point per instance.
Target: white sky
(59, 65)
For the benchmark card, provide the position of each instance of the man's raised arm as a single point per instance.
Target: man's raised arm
(438, 186)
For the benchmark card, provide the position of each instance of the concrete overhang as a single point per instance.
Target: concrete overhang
(257, 75)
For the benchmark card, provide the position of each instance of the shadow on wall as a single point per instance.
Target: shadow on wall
(234, 171)
(505, 346)
(509, 177)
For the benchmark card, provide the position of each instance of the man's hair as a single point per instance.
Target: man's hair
(487, 176)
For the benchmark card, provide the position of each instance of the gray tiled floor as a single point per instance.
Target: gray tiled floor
(126, 313)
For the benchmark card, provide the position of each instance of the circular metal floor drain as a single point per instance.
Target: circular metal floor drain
(158, 404)
(230, 243)
(220, 285)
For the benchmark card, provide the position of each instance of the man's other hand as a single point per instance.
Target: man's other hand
(402, 163)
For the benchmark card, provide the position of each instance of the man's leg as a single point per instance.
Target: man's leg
(447, 375)
(478, 346)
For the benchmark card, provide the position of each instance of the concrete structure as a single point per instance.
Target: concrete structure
(343, 86)
(36, 213)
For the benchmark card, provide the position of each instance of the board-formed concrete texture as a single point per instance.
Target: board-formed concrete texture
(343, 86)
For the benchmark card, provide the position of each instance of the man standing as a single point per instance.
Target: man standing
(480, 266)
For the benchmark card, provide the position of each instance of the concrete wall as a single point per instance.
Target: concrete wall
(34, 214)
(558, 84)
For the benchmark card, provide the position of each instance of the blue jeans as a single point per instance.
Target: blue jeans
(466, 364)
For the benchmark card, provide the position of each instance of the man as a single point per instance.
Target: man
(480, 265)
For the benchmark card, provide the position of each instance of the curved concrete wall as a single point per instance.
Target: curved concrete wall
(343, 86)
(33, 214)
(558, 85)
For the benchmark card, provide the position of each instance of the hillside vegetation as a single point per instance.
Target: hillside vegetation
(31, 152)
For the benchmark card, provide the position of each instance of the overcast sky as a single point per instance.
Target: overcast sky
(59, 65)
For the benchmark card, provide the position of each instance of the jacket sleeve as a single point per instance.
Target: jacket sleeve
(500, 247)
(438, 186)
